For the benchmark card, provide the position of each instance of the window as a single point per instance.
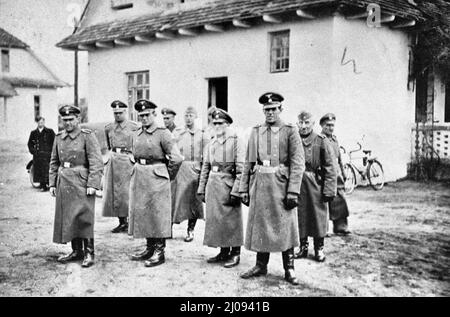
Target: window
(279, 51)
(447, 102)
(138, 88)
(37, 107)
(5, 61)
(121, 4)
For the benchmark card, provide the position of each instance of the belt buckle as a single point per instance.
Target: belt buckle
(67, 164)
(143, 161)
(215, 168)
(119, 150)
(266, 163)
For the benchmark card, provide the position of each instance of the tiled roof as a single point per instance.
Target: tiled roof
(219, 12)
(9, 40)
(31, 82)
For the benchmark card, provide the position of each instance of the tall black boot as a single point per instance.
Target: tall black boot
(158, 255)
(262, 259)
(319, 255)
(88, 252)
(303, 252)
(235, 257)
(122, 227)
(288, 265)
(221, 257)
(76, 254)
(190, 230)
(147, 253)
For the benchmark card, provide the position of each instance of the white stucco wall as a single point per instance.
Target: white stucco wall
(375, 103)
(23, 64)
(20, 112)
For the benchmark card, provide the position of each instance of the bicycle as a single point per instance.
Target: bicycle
(371, 170)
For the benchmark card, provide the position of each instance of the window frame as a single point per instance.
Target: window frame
(284, 58)
(137, 91)
(6, 67)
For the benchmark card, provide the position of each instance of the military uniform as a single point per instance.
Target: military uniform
(186, 205)
(167, 111)
(318, 187)
(76, 164)
(273, 168)
(156, 156)
(219, 181)
(338, 208)
(116, 187)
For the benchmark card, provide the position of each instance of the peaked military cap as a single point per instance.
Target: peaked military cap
(221, 115)
(270, 100)
(166, 111)
(143, 106)
(304, 115)
(212, 109)
(69, 111)
(118, 106)
(328, 116)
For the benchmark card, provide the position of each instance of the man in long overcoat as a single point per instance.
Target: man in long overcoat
(186, 205)
(219, 188)
(76, 169)
(337, 208)
(116, 188)
(270, 182)
(157, 157)
(318, 187)
(40, 145)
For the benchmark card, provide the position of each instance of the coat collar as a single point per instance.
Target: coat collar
(150, 129)
(120, 125)
(274, 127)
(222, 139)
(308, 140)
(73, 134)
(186, 129)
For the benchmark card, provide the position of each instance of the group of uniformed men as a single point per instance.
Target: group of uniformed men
(290, 178)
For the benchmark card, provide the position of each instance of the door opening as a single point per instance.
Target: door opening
(218, 93)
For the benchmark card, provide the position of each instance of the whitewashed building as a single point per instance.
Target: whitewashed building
(347, 57)
(27, 89)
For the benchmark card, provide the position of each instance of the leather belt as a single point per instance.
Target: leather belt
(266, 163)
(121, 150)
(71, 165)
(143, 161)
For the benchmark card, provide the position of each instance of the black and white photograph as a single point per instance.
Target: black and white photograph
(235, 151)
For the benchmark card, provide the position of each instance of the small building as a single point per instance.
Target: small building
(27, 89)
(352, 58)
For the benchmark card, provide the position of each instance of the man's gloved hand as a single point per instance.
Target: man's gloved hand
(291, 201)
(245, 198)
(53, 191)
(90, 191)
(202, 197)
(234, 201)
(327, 199)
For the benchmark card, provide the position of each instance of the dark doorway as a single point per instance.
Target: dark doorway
(218, 92)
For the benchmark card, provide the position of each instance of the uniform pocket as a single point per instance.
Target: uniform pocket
(161, 172)
(84, 174)
(282, 174)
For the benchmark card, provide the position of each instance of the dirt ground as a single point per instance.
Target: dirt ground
(399, 246)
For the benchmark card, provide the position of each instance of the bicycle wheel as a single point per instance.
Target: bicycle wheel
(350, 181)
(375, 174)
(31, 175)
